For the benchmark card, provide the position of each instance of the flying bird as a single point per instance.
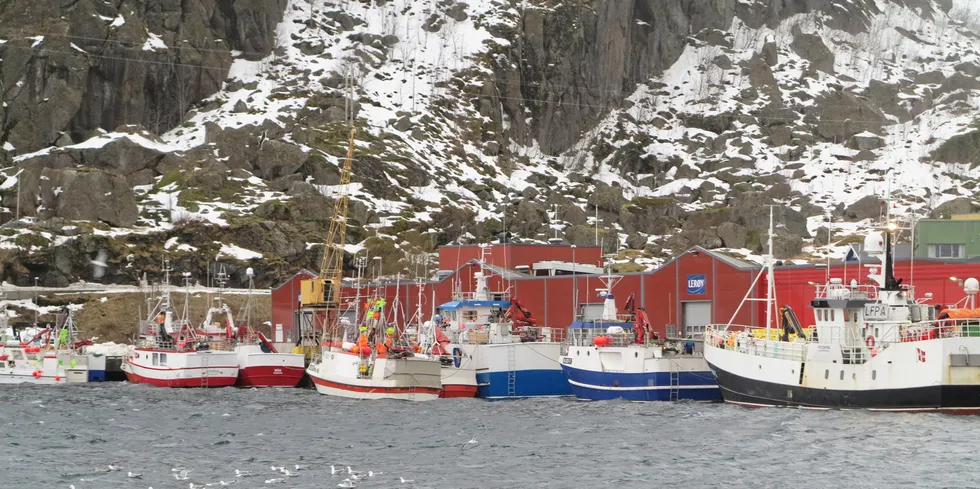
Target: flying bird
(99, 265)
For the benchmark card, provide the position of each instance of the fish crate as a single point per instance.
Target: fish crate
(478, 337)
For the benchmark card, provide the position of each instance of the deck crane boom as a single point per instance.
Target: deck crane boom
(324, 291)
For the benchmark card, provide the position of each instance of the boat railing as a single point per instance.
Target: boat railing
(518, 334)
(753, 341)
(481, 296)
(942, 328)
(599, 336)
(843, 291)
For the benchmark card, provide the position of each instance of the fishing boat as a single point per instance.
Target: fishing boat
(458, 370)
(499, 337)
(874, 346)
(379, 365)
(48, 356)
(615, 356)
(171, 353)
(260, 364)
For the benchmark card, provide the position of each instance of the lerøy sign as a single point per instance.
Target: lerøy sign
(697, 284)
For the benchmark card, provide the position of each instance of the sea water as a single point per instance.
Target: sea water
(57, 436)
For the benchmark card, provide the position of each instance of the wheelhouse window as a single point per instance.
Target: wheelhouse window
(156, 359)
(946, 251)
(163, 359)
(469, 315)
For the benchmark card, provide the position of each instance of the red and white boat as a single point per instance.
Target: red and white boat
(384, 371)
(170, 353)
(259, 363)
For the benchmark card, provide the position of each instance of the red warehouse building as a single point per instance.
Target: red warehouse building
(697, 288)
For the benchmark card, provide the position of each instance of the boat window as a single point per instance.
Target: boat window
(636, 354)
(876, 331)
(832, 314)
(847, 315)
(819, 315)
(163, 359)
(469, 315)
(156, 359)
(842, 375)
(826, 374)
(874, 374)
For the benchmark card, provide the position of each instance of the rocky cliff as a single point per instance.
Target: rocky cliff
(206, 128)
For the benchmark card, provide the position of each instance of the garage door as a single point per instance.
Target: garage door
(696, 316)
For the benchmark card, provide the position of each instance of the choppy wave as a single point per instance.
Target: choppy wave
(461, 443)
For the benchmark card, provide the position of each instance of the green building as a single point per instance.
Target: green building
(958, 237)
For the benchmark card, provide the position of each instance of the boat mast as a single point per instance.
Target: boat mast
(770, 287)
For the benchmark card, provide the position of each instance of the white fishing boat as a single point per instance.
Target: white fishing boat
(378, 369)
(614, 357)
(170, 353)
(47, 356)
(874, 346)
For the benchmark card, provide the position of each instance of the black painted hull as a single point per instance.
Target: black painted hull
(962, 399)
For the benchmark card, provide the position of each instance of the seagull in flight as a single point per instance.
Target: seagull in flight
(182, 475)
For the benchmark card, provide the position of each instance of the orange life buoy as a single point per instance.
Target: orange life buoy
(870, 341)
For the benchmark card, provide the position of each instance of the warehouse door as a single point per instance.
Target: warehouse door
(696, 315)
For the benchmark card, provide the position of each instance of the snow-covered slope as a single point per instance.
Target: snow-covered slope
(673, 126)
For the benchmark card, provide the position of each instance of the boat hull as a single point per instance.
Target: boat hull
(459, 378)
(410, 379)
(915, 376)
(260, 369)
(535, 370)
(638, 373)
(270, 376)
(49, 368)
(454, 390)
(181, 369)
(963, 399)
(649, 386)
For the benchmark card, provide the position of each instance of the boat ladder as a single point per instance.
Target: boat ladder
(511, 371)
(204, 370)
(675, 381)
